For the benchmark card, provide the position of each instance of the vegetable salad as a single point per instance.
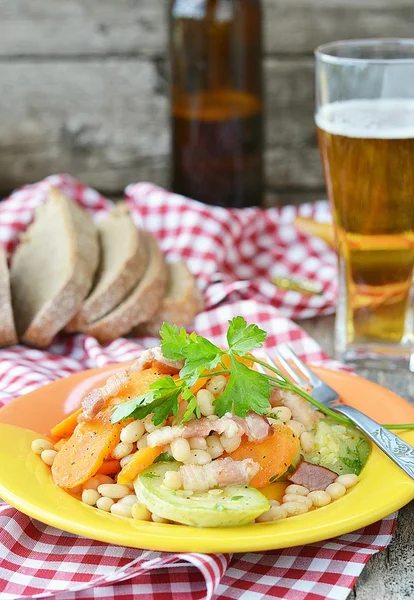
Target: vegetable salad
(191, 433)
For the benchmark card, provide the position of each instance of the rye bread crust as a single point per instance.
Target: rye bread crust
(179, 310)
(141, 304)
(107, 293)
(39, 328)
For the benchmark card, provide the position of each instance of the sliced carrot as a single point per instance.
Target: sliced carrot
(92, 442)
(65, 428)
(142, 459)
(60, 443)
(138, 384)
(88, 447)
(109, 467)
(274, 455)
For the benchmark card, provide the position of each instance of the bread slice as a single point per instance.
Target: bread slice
(123, 261)
(52, 269)
(181, 303)
(8, 335)
(142, 302)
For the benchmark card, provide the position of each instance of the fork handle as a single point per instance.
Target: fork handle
(393, 446)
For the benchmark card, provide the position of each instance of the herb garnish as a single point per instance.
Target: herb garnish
(246, 389)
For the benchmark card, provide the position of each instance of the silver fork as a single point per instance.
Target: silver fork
(401, 453)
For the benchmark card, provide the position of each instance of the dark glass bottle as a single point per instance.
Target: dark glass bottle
(217, 104)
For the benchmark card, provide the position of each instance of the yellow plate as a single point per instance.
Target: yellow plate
(25, 482)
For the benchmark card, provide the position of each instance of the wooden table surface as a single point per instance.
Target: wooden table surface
(389, 575)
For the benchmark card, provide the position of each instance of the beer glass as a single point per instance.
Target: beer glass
(365, 123)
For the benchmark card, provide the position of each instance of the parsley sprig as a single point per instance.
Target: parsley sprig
(246, 389)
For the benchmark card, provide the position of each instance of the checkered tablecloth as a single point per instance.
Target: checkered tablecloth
(234, 254)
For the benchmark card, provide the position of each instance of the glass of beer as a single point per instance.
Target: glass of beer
(365, 123)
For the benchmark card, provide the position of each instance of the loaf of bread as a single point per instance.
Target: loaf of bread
(122, 264)
(52, 269)
(180, 305)
(141, 304)
(8, 335)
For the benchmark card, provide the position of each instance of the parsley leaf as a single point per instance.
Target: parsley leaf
(161, 399)
(246, 390)
(125, 410)
(192, 406)
(173, 341)
(242, 338)
(200, 354)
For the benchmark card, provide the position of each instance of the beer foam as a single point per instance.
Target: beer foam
(374, 119)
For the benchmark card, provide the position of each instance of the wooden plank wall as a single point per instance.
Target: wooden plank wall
(84, 87)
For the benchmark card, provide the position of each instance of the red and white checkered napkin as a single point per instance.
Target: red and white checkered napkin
(38, 561)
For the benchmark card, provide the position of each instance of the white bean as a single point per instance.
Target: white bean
(295, 508)
(142, 443)
(275, 513)
(113, 490)
(230, 444)
(205, 401)
(319, 498)
(198, 443)
(348, 480)
(149, 425)
(140, 512)
(180, 449)
(104, 503)
(129, 500)
(90, 497)
(198, 457)
(214, 446)
(48, 456)
(274, 421)
(127, 459)
(40, 444)
(158, 519)
(336, 490)
(216, 385)
(297, 498)
(307, 441)
(121, 450)
(132, 432)
(296, 427)
(159, 437)
(281, 413)
(121, 510)
(293, 488)
(173, 480)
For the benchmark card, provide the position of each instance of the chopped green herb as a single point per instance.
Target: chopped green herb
(150, 476)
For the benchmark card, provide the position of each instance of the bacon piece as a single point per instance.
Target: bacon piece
(312, 476)
(153, 357)
(96, 399)
(255, 426)
(300, 408)
(219, 473)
